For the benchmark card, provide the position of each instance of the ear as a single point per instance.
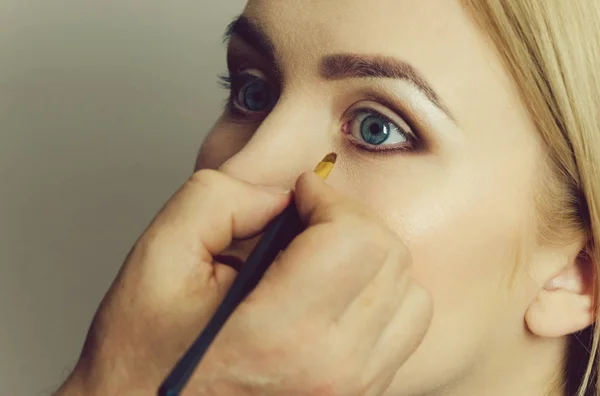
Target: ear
(567, 302)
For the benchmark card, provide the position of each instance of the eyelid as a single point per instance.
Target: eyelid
(237, 61)
(249, 72)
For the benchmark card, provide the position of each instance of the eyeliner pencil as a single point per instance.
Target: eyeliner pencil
(278, 235)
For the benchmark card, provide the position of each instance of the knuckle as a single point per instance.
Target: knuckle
(402, 254)
(206, 177)
(421, 299)
(212, 186)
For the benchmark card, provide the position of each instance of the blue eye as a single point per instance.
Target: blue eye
(254, 95)
(374, 129)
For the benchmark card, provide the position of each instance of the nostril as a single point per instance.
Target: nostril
(230, 261)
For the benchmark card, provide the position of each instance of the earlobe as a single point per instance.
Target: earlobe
(566, 303)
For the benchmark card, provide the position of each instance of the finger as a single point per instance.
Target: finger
(404, 333)
(327, 266)
(174, 256)
(377, 304)
(319, 203)
(215, 208)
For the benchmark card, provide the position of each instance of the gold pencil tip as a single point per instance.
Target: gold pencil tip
(331, 157)
(325, 167)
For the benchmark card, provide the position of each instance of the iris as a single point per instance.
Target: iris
(255, 96)
(374, 129)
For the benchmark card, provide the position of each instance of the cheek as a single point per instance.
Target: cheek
(222, 142)
(462, 226)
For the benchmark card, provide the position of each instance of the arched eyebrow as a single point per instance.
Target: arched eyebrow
(341, 66)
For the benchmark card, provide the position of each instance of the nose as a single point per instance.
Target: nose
(290, 140)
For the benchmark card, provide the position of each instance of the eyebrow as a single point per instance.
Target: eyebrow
(341, 66)
(252, 34)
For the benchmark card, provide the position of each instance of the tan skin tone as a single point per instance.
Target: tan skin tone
(450, 192)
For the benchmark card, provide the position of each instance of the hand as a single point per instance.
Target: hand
(337, 313)
(169, 285)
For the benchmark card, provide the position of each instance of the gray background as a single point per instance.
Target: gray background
(103, 105)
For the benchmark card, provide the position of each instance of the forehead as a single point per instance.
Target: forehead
(426, 31)
(361, 24)
(437, 37)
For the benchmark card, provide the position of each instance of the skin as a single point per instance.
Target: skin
(282, 339)
(406, 280)
(463, 205)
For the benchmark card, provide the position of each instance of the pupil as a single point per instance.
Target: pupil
(375, 129)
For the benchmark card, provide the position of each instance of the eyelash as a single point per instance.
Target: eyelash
(234, 82)
(226, 80)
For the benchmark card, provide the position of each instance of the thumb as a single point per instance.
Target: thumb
(215, 208)
(175, 254)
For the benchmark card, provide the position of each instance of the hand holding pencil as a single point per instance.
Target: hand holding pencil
(337, 313)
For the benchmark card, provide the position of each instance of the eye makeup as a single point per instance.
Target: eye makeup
(391, 129)
(374, 128)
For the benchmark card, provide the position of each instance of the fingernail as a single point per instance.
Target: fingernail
(274, 189)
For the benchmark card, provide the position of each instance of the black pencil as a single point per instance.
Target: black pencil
(278, 235)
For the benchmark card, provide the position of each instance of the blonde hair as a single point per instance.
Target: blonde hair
(552, 50)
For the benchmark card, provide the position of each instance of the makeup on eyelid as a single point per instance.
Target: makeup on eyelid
(380, 127)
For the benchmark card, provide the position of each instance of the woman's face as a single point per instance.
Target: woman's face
(430, 133)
